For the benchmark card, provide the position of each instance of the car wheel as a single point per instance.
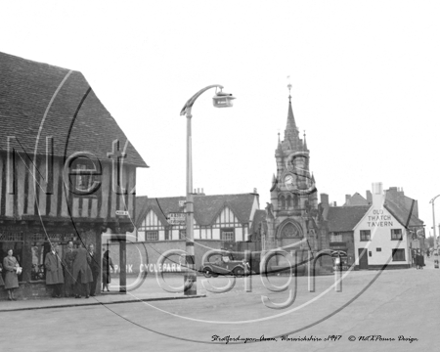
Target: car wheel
(238, 272)
(207, 272)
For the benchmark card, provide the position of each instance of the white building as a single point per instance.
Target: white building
(382, 237)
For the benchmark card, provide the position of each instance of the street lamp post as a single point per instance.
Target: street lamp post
(433, 222)
(220, 100)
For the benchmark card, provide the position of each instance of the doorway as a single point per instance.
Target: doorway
(363, 258)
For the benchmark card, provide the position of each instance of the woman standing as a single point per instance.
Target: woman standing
(106, 264)
(11, 266)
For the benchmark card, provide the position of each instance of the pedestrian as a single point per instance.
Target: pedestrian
(107, 263)
(2, 283)
(13, 269)
(94, 266)
(82, 275)
(69, 257)
(54, 271)
(420, 260)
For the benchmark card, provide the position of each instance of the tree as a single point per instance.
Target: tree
(430, 241)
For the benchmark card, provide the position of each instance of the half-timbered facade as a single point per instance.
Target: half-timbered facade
(66, 167)
(227, 218)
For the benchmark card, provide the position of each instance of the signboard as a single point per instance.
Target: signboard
(121, 212)
(176, 219)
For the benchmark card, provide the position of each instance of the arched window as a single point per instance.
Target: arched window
(295, 201)
(289, 230)
(282, 202)
(289, 201)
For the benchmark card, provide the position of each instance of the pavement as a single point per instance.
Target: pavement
(148, 291)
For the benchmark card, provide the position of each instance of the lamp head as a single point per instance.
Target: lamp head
(222, 100)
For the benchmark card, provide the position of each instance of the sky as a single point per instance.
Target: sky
(365, 85)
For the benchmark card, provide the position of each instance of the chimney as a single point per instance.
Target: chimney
(378, 196)
(369, 197)
(347, 199)
(324, 199)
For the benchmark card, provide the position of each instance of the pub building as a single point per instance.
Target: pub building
(66, 169)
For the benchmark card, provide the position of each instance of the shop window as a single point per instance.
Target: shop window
(227, 235)
(182, 234)
(398, 255)
(365, 235)
(40, 246)
(152, 236)
(396, 235)
(12, 241)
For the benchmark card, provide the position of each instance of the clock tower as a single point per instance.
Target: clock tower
(293, 193)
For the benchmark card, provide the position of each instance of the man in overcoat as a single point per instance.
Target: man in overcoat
(94, 266)
(54, 271)
(82, 275)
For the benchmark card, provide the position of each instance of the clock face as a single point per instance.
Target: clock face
(289, 181)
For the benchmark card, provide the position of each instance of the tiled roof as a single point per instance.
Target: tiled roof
(342, 219)
(356, 199)
(38, 100)
(402, 213)
(206, 207)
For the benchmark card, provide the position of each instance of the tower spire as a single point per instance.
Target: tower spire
(305, 141)
(291, 132)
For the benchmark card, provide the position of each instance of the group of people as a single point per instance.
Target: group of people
(77, 271)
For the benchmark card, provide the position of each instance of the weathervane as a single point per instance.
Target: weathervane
(289, 86)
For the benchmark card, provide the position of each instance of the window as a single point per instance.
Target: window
(289, 201)
(85, 174)
(336, 237)
(152, 235)
(396, 234)
(378, 249)
(365, 235)
(40, 246)
(182, 234)
(398, 255)
(227, 235)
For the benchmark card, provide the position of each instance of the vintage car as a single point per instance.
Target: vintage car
(225, 265)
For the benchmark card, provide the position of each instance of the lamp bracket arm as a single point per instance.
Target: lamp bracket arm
(191, 101)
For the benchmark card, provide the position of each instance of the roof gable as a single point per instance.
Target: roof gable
(356, 199)
(38, 100)
(206, 207)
